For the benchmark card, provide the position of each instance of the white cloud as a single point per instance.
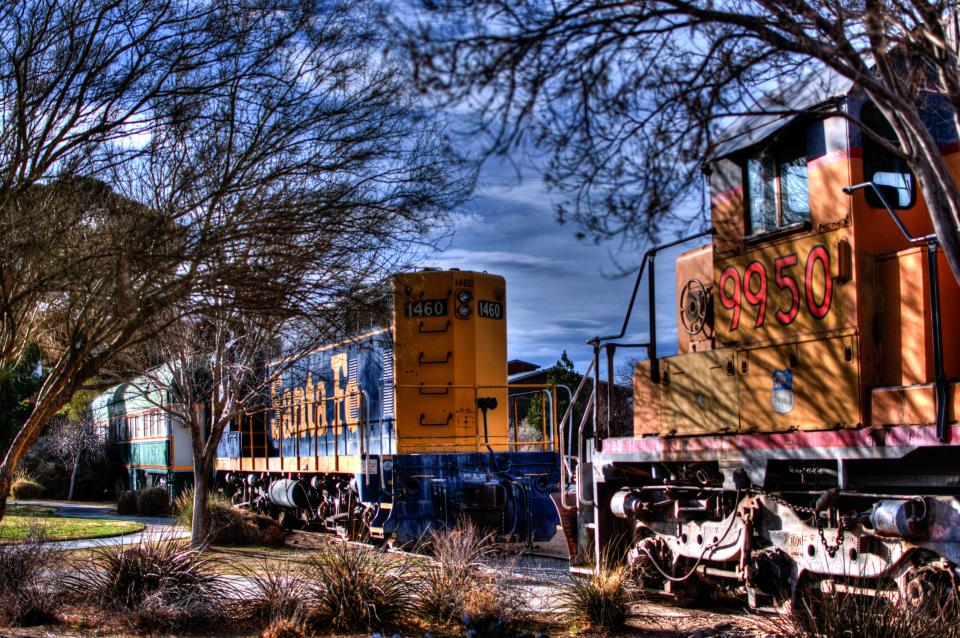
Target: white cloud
(500, 258)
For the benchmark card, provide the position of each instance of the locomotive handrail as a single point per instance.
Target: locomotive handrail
(566, 414)
(647, 256)
(931, 242)
(547, 437)
(424, 331)
(581, 452)
(550, 438)
(651, 345)
(565, 470)
(286, 407)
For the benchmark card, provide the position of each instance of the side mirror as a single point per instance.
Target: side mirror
(896, 188)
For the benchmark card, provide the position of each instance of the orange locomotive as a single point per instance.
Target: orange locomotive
(805, 434)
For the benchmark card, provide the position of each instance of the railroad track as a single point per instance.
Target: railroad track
(532, 566)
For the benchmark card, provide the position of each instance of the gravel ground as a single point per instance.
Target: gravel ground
(540, 574)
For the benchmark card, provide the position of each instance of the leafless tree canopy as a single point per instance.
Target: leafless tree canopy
(74, 442)
(163, 160)
(629, 96)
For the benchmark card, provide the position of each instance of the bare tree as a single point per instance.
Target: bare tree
(162, 158)
(75, 442)
(218, 368)
(629, 96)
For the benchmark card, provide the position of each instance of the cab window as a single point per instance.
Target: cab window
(883, 167)
(777, 189)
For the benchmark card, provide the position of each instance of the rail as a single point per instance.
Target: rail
(608, 343)
(548, 428)
(566, 451)
(300, 420)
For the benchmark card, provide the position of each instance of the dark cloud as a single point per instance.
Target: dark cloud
(557, 291)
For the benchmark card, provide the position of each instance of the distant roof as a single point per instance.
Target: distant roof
(516, 366)
(526, 375)
(815, 89)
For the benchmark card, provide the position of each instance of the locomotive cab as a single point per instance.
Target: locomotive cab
(810, 309)
(808, 421)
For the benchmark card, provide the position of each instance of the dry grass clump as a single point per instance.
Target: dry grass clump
(601, 600)
(26, 487)
(357, 589)
(274, 594)
(852, 615)
(164, 584)
(227, 524)
(283, 628)
(466, 583)
(28, 581)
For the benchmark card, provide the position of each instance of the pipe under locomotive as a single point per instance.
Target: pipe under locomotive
(805, 435)
(401, 430)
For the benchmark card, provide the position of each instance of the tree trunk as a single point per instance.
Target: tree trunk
(199, 520)
(25, 439)
(73, 477)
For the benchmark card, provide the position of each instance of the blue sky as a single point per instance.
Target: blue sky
(560, 291)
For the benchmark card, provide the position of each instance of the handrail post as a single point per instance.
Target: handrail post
(940, 377)
(596, 393)
(336, 435)
(932, 242)
(652, 311)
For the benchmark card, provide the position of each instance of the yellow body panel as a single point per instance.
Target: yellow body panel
(810, 385)
(444, 359)
(699, 393)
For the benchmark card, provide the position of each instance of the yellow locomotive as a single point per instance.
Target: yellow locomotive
(805, 434)
(402, 429)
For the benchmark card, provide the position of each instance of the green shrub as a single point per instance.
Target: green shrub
(226, 524)
(357, 589)
(26, 489)
(127, 503)
(153, 501)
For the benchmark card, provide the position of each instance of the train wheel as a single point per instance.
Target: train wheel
(932, 586)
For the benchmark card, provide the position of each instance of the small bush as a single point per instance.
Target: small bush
(283, 628)
(28, 584)
(163, 584)
(601, 600)
(226, 524)
(26, 489)
(845, 614)
(467, 583)
(357, 589)
(153, 501)
(127, 503)
(274, 593)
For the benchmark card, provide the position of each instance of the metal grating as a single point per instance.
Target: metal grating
(387, 382)
(353, 400)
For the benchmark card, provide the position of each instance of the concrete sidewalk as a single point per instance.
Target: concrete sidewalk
(156, 527)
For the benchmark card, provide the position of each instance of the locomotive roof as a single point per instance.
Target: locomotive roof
(776, 110)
